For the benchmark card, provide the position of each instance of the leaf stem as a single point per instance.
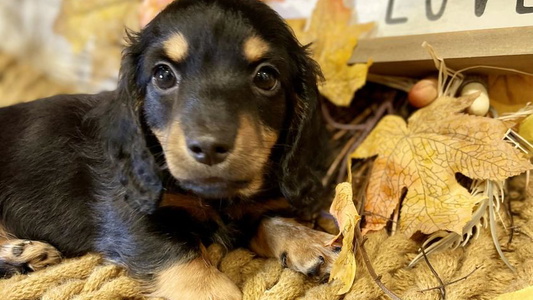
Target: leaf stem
(452, 282)
(377, 278)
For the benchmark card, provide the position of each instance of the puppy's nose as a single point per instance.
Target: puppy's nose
(208, 151)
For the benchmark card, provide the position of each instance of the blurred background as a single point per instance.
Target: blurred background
(69, 46)
(61, 46)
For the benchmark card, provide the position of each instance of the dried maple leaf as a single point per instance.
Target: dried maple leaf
(344, 211)
(423, 157)
(333, 40)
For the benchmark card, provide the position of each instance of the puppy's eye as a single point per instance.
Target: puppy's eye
(163, 76)
(266, 78)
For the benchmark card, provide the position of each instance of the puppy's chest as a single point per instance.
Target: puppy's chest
(228, 224)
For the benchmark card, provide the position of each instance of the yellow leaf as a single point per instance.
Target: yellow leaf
(522, 294)
(344, 211)
(423, 157)
(334, 40)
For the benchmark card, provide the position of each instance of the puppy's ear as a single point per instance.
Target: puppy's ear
(133, 167)
(304, 164)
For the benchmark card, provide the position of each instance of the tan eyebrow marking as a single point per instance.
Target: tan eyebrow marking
(254, 48)
(176, 47)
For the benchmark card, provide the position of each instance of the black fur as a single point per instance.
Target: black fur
(85, 172)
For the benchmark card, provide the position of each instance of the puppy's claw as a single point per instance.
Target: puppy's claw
(283, 259)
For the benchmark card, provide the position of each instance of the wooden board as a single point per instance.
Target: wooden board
(404, 55)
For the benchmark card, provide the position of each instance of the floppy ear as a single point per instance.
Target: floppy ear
(133, 168)
(305, 162)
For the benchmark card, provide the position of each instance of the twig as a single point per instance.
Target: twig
(342, 126)
(511, 223)
(361, 193)
(360, 117)
(359, 139)
(354, 141)
(442, 286)
(452, 282)
(377, 278)
(384, 108)
(519, 231)
(512, 227)
(342, 155)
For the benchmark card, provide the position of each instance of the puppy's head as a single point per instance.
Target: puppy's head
(228, 92)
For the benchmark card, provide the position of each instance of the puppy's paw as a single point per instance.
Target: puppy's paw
(296, 246)
(195, 280)
(23, 256)
(308, 252)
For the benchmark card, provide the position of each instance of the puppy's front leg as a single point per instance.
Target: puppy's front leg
(163, 250)
(298, 247)
(195, 280)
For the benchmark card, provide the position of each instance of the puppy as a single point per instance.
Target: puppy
(217, 105)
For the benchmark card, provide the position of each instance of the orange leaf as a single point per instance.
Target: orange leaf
(423, 157)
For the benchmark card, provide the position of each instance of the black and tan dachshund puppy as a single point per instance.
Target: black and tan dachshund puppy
(217, 106)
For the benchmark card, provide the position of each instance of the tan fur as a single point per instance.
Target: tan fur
(36, 254)
(176, 47)
(246, 161)
(255, 48)
(3, 234)
(303, 246)
(195, 280)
